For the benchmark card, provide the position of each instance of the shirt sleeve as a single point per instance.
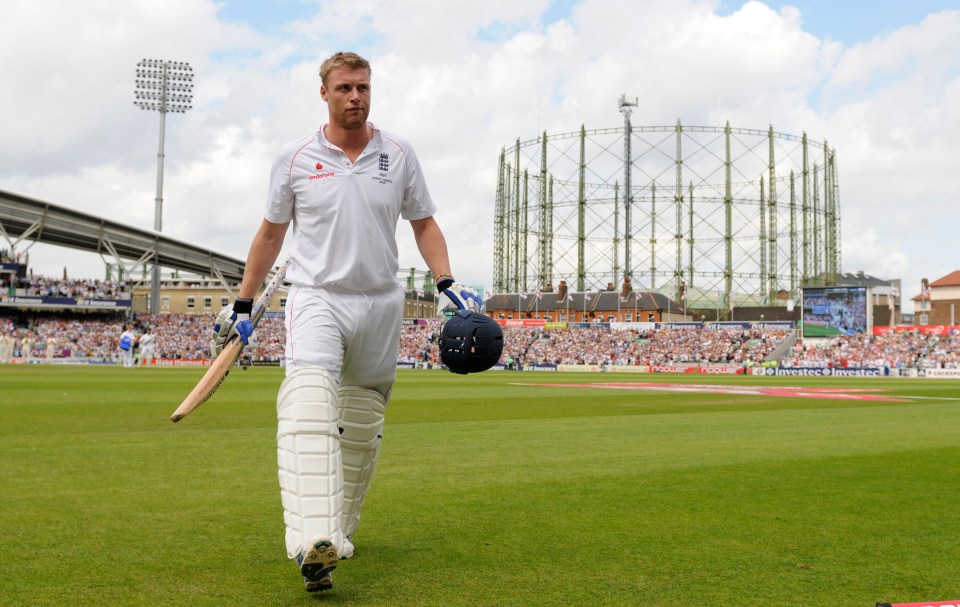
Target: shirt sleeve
(280, 197)
(417, 203)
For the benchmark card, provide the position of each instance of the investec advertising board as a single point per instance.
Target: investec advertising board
(817, 372)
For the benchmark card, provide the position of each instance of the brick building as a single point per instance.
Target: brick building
(939, 301)
(207, 296)
(593, 306)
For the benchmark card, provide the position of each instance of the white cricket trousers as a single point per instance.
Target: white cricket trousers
(355, 338)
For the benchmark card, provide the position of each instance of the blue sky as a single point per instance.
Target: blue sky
(848, 22)
(854, 21)
(273, 15)
(845, 21)
(269, 16)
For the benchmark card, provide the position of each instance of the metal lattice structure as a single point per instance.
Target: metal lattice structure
(729, 216)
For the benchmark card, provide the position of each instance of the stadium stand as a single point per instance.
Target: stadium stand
(903, 350)
(92, 336)
(607, 346)
(87, 288)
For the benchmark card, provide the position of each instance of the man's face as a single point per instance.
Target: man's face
(347, 94)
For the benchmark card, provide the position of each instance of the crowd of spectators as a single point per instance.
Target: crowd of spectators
(906, 349)
(418, 343)
(187, 336)
(72, 337)
(87, 288)
(664, 346)
(941, 353)
(178, 336)
(182, 336)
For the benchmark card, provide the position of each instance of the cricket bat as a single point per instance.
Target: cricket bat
(221, 366)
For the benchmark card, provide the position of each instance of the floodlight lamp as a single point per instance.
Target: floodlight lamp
(624, 103)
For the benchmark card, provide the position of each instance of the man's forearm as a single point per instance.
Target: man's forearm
(263, 254)
(432, 246)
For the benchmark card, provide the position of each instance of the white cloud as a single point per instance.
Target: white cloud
(865, 251)
(892, 109)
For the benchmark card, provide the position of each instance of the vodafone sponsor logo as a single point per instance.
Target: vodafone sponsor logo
(322, 175)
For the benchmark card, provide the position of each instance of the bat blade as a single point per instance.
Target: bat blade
(224, 361)
(211, 380)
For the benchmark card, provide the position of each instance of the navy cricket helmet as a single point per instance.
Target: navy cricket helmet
(470, 342)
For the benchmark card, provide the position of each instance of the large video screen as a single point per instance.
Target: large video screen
(834, 311)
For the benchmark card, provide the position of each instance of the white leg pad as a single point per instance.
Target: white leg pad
(308, 458)
(361, 418)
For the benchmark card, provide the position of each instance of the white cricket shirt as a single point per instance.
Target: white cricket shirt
(345, 214)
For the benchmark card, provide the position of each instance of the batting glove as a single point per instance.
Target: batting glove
(459, 297)
(232, 320)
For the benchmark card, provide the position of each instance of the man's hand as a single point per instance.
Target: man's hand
(459, 297)
(232, 320)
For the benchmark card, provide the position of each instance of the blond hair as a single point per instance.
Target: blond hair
(350, 61)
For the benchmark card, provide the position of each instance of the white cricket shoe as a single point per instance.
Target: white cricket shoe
(346, 551)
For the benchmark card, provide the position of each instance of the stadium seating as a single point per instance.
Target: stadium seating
(185, 337)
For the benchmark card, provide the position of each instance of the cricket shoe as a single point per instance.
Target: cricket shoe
(346, 551)
(324, 582)
(316, 563)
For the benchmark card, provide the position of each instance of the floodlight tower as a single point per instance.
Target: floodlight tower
(626, 108)
(162, 86)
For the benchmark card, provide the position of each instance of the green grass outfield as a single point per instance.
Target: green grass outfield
(813, 330)
(488, 492)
